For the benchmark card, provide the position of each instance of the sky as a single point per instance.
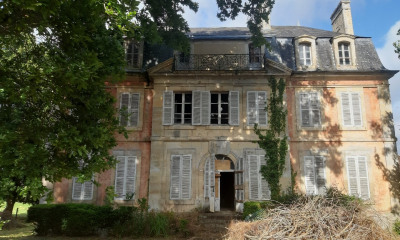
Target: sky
(378, 19)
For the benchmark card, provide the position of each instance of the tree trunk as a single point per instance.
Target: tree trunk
(7, 213)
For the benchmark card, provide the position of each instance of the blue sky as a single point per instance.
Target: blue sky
(379, 19)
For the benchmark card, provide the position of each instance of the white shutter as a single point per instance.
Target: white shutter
(134, 117)
(88, 190)
(124, 109)
(363, 177)
(251, 107)
(76, 189)
(168, 108)
(253, 177)
(186, 176)
(305, 110)
(309, 175)
(82, 191)
(119, 178)
(196, 108)
(346, 111)
(320, 181)
(207, 179)
(352, 176)
(265, 193)
(212, 176)
(262, 104)
(356, 106)
(234, 108)
(130, 174)
(315, 107)
(175, 177)
(205, 108)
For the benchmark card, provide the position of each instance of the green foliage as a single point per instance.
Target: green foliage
(250, 208)
(158, 223)
(342, 199)
(397, 45)
(273, 140)
(396, 227)
(110, 195)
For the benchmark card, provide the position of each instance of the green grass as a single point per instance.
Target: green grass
(22, 209)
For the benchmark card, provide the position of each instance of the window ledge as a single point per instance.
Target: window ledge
(181, 202)
(179, 127)
(216, 127)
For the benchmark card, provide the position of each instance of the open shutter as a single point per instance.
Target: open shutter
(315, 107)
(352, 176)
(305, 110)
(346, 111)
(196, 108)
(234, 108)
(205, 108)
(168, 108)
(207, 179)
(262, 104)
(124, 109)
(253, 177)
(130, 175)
(309, 175)
(212, 176)
(76, 189)
(134, 118)
(175, 177)
(264, 188)
(363, 177)
(119, 178)
(356, 106)
(320, 175)
(186, 179)
(251, 107)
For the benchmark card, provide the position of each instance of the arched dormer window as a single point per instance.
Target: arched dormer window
(306, 58)
(344, 51)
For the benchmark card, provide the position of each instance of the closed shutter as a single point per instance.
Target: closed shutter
(253, 177)
(305, 110)
(186, 176)
(264, 188)
(124, 109)
(88, 190)
(82, 191)
(212, 176)
(309, 175)
(130, 174)
(351, 109)
(76, 189)
(196, 108)
(175, 176)
(205, 108)
(134, 117)
(207, 179)
(119, 178)
(234, 108)
(251, 107)
(262, 107)
(352, 176)
(363, 177)
(356, 105)
(315, 107)
(346, 111)
(320, 181)
(168, 108)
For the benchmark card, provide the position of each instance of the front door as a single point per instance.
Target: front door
(227, 191)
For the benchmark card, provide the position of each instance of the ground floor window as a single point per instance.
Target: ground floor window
(180, 177)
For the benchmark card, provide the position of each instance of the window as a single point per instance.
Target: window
(132, 54)
(351, 109)
(314, 169)
(344, 53)
(82, 191)
(129, 109)
(254, 54)
(305, 54)
(183, 108)
(181, 177)
(219, 108)
(310, 109)
(357, 174)
(196, 107)
(125, 173)
(258, 186)
(256, 104)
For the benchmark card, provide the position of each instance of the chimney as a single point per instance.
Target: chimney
(266, 25)
(342, 22)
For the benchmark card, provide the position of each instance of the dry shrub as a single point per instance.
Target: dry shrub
(332, 217)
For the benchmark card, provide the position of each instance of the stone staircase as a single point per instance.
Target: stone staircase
(214, 225)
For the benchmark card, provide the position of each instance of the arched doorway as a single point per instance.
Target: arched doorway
(224, 179)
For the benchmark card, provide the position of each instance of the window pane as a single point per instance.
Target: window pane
(188, 98)
(178, 108)
(224, 97)
(178, 98)
(188, 108)
(224, 108)
(214, 108)
(214, 98)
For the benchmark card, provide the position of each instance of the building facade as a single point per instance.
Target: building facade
(191, 119)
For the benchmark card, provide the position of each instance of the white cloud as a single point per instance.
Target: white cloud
(391, 61)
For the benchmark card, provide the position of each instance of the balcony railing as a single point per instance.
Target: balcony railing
(219, 62)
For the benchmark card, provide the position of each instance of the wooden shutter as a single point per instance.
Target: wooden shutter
(352, 176)
(168, 108)
(76, 189)
(346, 111)
(196, 108)
(207, 179)
(356, 107)
(130, 175)
(262, 104)
(186, 176)
(119, 178)
(82, 191)
(363, 177)
(124, 109)
(234, 108)
(253, 177)
(305, 110)
(88, 190)
(212, 176)
(264, 188)
(309, 175)
(135, 102)
(175, 177)
(205, 107)
(320, 182)
(251, 107)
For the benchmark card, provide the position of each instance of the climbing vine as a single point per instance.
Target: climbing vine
(273, 140)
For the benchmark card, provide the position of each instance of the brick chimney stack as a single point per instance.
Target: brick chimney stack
(341, 19)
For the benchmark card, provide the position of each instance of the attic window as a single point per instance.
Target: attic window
(344, 53)
(305, 54)
(254, 54)
(133, 52)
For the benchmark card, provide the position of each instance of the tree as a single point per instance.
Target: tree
(397, 45)
(273, 140)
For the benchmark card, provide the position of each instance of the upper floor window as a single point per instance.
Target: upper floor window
(256, 107)
(305, 54)
(344, 53)
(219, 108)
(351, 109)
(310, 109)
(129, 109)
(133, 51)
(183, 108)
(254, 54)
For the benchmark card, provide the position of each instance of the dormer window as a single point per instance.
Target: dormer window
(344, 53)
(133, 54)
(254, 54)
(305, 54)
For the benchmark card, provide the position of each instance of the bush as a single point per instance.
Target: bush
(396, 227)
(250, 208)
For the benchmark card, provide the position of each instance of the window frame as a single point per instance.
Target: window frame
(219, 106)
(336, 43)
(130, 110)
(125, 176)
(312, 158)
(134, 61)
(351, 109)
(357, 177)
(180, 177)
(183, 103)
(310, 109)
(252, 175)
(304, 48)
(83, 189)
(257, 108)
(343, 60)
